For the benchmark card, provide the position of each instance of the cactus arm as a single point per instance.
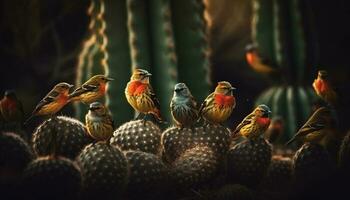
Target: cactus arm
(297, 38)
(139, 38)
(291, 116)
(164, 65)
(262, 24)
(118, 60)
(192, 48)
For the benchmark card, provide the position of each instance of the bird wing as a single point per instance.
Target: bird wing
(245, 121)
(154, 97)
(50, 97)
(83, 89)
(209, 100)
(316, 122)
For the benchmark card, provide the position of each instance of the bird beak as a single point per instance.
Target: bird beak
(148, 74)
(109, 79)
(232, 88)
(70, 86)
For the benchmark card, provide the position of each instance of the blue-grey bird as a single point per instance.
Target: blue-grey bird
(99, 122)
(183, 106)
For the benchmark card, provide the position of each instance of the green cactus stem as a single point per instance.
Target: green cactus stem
(192, 48)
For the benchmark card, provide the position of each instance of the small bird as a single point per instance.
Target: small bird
(139, 93)
(99, 122)
(257, 61)
(183, 106)
(254, 124)
(218, 106)
(53, 101)
(322, 122)
(11, 108)
(91, 90)
(323, 87)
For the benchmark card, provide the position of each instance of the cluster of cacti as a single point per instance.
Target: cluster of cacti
(288, 97)
(157, 35)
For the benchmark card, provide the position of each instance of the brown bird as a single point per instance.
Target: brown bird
(53, 101)
(91, 90)
(321, 123)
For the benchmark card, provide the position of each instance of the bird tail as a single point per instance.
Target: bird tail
(28, 120)
(290, 141)
(156, 113)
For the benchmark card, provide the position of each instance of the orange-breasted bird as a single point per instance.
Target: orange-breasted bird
(323, 87)
(183, 106)
(218, 106)
(322, 123)
(11, 108)
(99, 122)
(91, 90)
(258, 62)
(53, 101)
(140, 95)
(254, 124)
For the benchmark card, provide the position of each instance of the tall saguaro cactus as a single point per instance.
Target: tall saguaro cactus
(156, 35)
(278, 32)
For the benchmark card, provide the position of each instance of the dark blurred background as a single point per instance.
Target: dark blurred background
(40, 41)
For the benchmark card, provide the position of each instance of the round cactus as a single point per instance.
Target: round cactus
(104, 171)
(236, 191)
(175, 141)
(278, 179)
(312, 163)
(248, 161)
(15, 154)
(51, 178)
(138, 135)
(195, 167)
(148, 175)
(344, 153)
(63, 136)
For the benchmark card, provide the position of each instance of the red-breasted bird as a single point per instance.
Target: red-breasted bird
(11, 108)
(321, 123)
(258, 62)
(91, 90)
(323, 88)
(140, 95)
(53, 101)
(254, 124)
(99, 122)
(183, 106)
(218, 106)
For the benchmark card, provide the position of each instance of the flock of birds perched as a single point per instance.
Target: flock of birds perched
(215, 109)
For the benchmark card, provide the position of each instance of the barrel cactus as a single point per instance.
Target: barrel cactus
(60, 135)
(104, 170)
(51, 178)
(138, 135)
(288, 97)
(159, 36)
(175, 141)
